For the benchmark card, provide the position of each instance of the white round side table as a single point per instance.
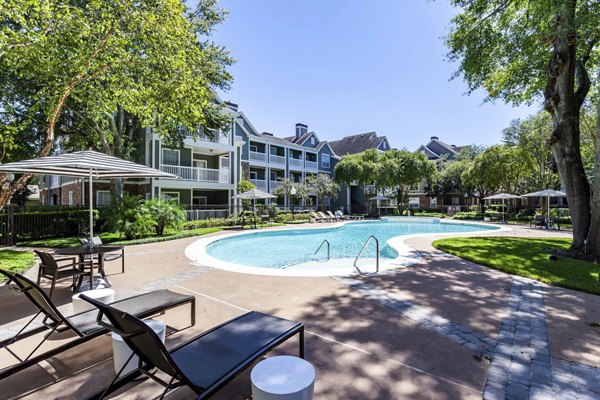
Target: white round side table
(121, 350)
(102, 295)
(283, 377)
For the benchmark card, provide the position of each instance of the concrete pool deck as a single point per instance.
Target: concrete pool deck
(422, 331)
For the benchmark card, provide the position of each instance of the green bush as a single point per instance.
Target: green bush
(211, 223)
(129, 218)
(425, 213)
(164, 213)
(469, 215)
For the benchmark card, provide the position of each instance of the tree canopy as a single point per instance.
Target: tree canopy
(79, 64)
(522, 51)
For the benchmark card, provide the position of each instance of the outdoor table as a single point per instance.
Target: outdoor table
(283, 378)
(83, 251)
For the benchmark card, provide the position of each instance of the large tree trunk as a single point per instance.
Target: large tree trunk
(594, 233)
(563, 102)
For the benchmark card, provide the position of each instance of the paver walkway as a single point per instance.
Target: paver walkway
(521, 363)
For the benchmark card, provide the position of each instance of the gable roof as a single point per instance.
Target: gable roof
(357, 143)
(436, 148)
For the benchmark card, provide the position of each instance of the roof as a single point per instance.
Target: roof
(436, 148)
(356, 143)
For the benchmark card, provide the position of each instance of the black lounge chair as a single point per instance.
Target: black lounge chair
(205, 363)
(82, 324)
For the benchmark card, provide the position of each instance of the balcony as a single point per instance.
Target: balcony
(256, 156)
(298, 163)
(197, 174)
(214, 137)
(274, 184)
(312, 165)
(275, 159)
(260, 184)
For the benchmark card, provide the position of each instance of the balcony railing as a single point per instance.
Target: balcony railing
(215, 136)
(312, 165)
(274, 184)
(260, 184)
(275, 159)
(198, 174)
(256, 156)
(296, 162)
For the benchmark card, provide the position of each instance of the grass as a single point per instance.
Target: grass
(15, 261)
(115, 238)
(528, 258)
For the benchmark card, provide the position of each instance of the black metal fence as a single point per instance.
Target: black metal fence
(19, 225)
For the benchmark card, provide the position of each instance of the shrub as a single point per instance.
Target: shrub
(469, 215)
(164, 213)
(129, 219)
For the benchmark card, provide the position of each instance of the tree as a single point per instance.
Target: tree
(322, 186)
(358, 168)
(243, 186)
(164, 214)
(294, 191)
(520, 51)
(400, 169)
(88, 63)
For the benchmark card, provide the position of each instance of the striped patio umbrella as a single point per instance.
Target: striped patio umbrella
(86, 164)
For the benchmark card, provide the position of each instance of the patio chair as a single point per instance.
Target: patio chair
(332, 216)
(82, 324)
(206, 362)
(316, 216)
(351, 217)
(96, 241)
(49, 268)
(538, 221)
(324, 217)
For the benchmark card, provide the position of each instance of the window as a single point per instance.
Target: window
(170, 157)
(253, 175)
(253, 148)
(413, 202)
(200, 163)
(455, 201)
(199, 200)
(273, 176)
(433, 203)
(170, 196)
(70, 197)
(325, 161)
(312, 140)
(102, 198)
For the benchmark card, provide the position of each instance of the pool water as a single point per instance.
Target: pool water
(282, 249)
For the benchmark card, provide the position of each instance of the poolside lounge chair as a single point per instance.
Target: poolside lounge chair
(538, 221)
(332, 216)
(324, 217)
(82, 324)
(317, 217)
(351, 217)
(206, 362)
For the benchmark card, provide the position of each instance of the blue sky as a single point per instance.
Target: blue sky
(345, 67)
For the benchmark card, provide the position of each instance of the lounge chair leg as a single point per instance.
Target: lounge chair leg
(301, 338)
(193, 312)
(168, 386)
(117, 376)
(46, 336)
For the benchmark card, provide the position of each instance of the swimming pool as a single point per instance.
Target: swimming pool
(293, 250)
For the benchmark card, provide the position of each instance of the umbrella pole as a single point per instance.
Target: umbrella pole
(91, 197)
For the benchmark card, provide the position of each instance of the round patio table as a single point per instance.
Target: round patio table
(83, 251)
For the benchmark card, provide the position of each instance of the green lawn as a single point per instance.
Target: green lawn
(15, 261)
(526, 257)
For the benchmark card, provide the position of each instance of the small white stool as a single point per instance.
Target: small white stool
(102, 295)
(283, 377)
(121, 351)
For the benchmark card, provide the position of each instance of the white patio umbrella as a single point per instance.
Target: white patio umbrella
(85, 164)
(254, 194)
(502, 196)
(548, 193)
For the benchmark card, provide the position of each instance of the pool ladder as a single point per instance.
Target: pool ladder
(363, 249)
(328, 250)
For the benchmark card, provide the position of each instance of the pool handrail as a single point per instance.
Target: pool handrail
(328, 248)
(376, 254)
